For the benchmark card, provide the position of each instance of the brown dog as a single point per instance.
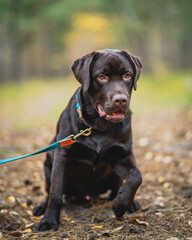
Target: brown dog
(104, 160)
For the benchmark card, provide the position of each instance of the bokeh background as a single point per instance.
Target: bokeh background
(40, 39)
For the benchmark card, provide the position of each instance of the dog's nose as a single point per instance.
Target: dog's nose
(120, 100)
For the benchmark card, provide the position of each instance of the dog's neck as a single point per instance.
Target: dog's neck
(88, 114)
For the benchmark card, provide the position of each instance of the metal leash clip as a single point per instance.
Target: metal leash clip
(85, 132)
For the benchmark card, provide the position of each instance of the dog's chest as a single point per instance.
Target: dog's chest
(97, 148)
(100, 142)
(81, 152)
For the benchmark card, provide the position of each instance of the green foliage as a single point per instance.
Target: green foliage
(150, 12)
(32, 29)
(163, 91)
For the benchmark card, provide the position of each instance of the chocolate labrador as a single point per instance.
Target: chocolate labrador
(104, 160)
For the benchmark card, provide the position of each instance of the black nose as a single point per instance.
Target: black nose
(120, 100)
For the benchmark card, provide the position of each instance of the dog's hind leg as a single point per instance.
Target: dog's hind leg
(40, 210)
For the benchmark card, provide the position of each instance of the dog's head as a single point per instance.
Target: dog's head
(109, 77)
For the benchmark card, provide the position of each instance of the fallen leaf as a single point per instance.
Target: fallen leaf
(117, 229)
(98, 226)
(143, 223)
(29, 225)
(30, 212)
(158, 214)
(11, 199)
(139, 221)
(132, 218)
(16, 233)
(3, 211)
(66, 219)
(35, 236)
(166, 185)
(172, 238)
(25, 220)
(35, 218)
(27, 230)
(161, 179)
(13, 213)
(24, 204)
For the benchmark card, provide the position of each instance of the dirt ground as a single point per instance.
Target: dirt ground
(163, 149)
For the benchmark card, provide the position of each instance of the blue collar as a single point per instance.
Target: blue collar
(78, 108)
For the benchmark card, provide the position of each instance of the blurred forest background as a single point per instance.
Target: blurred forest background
(41, 38)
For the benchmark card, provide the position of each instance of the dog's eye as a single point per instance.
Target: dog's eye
(127, 76)
(102, 77)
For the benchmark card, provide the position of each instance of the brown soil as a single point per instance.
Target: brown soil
(163, 149)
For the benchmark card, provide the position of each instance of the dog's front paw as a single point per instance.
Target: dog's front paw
(135, 206)
(47, 224)
(119, 207)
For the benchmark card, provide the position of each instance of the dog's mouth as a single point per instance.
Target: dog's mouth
(113, 117)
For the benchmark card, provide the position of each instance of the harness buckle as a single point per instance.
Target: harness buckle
(85, 132)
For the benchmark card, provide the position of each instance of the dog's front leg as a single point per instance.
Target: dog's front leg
(127, 170)
(51, 218)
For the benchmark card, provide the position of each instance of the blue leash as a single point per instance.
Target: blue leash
(46, 149)
(64, 142)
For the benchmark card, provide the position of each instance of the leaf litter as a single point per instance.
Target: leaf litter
(163, 150)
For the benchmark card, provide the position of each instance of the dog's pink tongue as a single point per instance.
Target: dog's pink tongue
(116, 116)
(101, 111)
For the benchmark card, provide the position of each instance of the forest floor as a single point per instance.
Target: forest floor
(163, 150)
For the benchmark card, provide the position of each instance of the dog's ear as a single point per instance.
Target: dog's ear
(136, 64)
(81, 70)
